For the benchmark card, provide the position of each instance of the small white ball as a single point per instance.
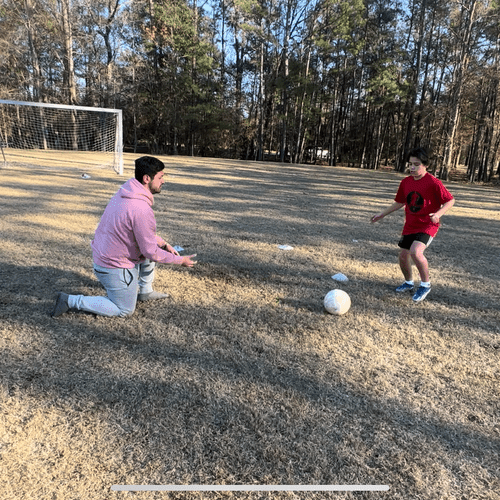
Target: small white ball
(337, 302)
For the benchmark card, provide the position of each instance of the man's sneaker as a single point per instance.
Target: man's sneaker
(142, 297)
(421, 293)
(62, 305)
(405, 287)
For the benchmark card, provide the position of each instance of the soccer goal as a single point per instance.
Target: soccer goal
(33, 132)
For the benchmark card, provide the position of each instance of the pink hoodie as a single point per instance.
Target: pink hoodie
(126, 234)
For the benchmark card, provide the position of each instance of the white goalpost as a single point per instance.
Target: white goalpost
(63, 135)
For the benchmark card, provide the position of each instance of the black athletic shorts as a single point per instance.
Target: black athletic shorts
(407, 240)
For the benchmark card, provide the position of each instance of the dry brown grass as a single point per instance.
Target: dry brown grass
(241, 377)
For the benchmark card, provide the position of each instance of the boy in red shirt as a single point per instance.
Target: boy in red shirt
(425, 200)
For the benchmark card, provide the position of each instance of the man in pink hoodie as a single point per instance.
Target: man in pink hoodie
(126, 247)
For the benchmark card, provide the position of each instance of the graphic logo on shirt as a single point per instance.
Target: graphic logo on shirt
(415, 202)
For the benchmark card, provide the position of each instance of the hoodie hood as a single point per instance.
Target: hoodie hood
(133, 189)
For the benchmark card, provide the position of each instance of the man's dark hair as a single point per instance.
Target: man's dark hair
(147, 165)
(421, 153)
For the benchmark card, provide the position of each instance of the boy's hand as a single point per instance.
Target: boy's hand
(377, 217)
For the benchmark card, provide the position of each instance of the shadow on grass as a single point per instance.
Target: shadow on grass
(252, 409)
(235, 394)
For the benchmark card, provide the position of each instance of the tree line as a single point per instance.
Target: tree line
(356, 82)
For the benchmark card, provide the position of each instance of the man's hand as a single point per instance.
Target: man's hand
(187, 260)
(170, 249)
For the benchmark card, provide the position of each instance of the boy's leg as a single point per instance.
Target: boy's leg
(412, 251)
(405, 262)
(418, 257)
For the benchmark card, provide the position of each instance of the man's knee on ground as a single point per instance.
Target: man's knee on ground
(126, 312)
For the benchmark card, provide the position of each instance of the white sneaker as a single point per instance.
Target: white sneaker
(142, 297)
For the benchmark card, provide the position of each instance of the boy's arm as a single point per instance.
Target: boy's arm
(444, 208)
(395, 206)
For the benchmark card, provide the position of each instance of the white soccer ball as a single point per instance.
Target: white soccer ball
(337, 302)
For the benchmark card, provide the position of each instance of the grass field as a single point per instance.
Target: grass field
(241, 377)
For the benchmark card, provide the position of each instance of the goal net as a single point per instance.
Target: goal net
(38, 133)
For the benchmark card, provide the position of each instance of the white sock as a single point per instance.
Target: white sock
(426, 284)
(409, 282)
(72, 301)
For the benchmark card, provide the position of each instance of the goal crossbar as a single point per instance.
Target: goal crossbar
(30, 129)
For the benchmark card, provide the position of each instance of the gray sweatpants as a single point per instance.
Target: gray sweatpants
(122, 287)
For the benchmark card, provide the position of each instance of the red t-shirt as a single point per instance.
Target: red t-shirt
(421, 198)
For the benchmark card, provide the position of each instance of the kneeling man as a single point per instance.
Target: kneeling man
(126, 247)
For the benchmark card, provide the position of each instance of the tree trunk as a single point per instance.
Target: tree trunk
(260, 146)
(458, 83)
(413, 99)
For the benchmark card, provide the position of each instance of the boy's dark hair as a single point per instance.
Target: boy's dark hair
(421, 153)
(147, 165)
